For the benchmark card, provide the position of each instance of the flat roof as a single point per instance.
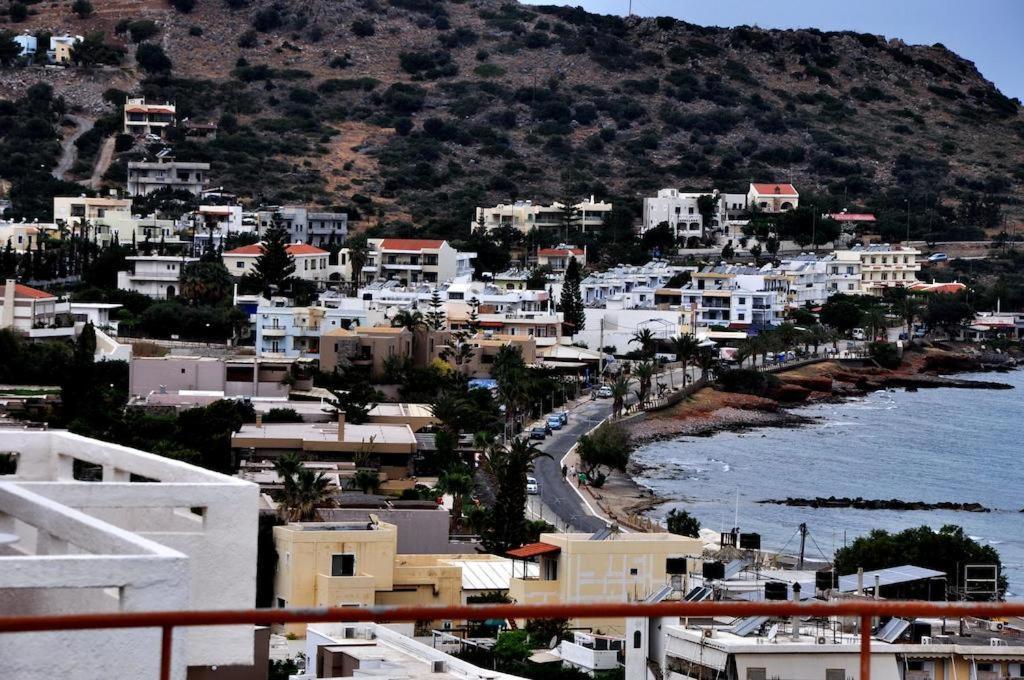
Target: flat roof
(379, 433)
(402, 410)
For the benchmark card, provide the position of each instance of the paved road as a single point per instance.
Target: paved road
(68, 149)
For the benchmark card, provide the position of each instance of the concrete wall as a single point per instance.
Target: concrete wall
(419, 531)
(146, 375)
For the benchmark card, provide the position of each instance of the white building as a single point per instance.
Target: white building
(527, 215)
(213, 223)
(156, 276)
(314, 227)
(736, 296)
(28, 45)
(186, 539)
(808, 279)
(880, 266)
(145, 177)
(335, 650)
(311, 263)
(628, 286)
(26, 309)
(74, 210)
(415, 260)
(557, 258)
(681, 211)
(61, 48)
(141, 118)
(616, 327)
(772, 198)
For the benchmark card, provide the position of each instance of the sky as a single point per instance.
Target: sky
(988, 32)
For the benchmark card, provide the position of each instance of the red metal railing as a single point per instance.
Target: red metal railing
(168, 621)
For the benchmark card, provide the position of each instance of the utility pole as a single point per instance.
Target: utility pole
(600, 351)
(803, 541)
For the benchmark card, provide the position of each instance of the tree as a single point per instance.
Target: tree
(458, 485)
(82, 8)
(538, 278)
(646, 339)
(508, 467)
(93, 51)
(607, 446)
(620, 389)
(152, 58)
(910, 309)
(17, 11)
(946, 312)
(569, 216)
(644, 372)
(946, 550)
(841, 314)
(706, 204)
(409, 320)
(728, 252)
(686, 348)
(708, 363)
(305, 491)
(275, 265)
(358, 251)
(9, 50)
(367, 481)
(573, 312)
(435, 318)
(205, 283)
(184, 6)
(682, 523)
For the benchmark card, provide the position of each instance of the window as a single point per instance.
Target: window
(239, 265)
(638, 640)
(634, 571)
(835, 674)
(756, 674)
(740, 316)
(281, 603)
(741, 301)
(343, 564)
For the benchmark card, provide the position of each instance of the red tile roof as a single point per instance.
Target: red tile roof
(410, 244)
(944, 288)
(853, 217)
(148, 108)
(293, 249)
(533, 549)
(776, 189)
(549, 252)
(22, 291)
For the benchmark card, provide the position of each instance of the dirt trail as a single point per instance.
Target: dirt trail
(68, 149)
(103, 160)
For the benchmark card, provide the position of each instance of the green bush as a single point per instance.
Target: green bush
(152, 58)
(489, 71)
(885, 354)
(142, 29)
(363, 28)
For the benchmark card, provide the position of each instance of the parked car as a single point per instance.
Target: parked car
(858, 334)
(555, 422)
(938, 257)
(538, 433)
(531, 486)
(604, 392)
(564, 415)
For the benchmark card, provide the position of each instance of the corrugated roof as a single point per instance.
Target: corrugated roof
(533, 549)
(490, 574)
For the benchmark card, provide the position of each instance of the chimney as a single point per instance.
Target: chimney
(341, 425)
(796, 618)
(878, 586)
(860, 580)
(7, 315)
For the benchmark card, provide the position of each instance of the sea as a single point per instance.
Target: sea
(960, 445)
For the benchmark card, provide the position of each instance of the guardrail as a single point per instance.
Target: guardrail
(167, 621)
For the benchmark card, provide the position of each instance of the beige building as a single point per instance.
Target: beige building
(145, 177)
(558, 258)
(413, 260)
(357, 564)
(25, 308)
(880, 266)
(584, 569)
(141, 118)
(772, 198)
(311, 263)
(72, 210)
(364, 346)
(527, 215)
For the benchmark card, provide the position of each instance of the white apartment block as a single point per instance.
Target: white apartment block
(628, 286)
(772, 198)
(616, 327)
(144, 533)
(317, 228)
(808, 279)
(412, 260)
(393, 297)
(26, 309)
(681, 212)
(145, 177)
(527, 215)
(155, 276)
(213, 223)
(736, 296)
(311, 263)
(879, 266)
(141, 118)
(77, 210)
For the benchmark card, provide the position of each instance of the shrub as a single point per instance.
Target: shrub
(363, 28)
(195, 31)
(82, 8)
(141, 30)
(403, 98)
(152, 58)
(489, 71)
(248, 39)
(123, 143)
(282, 415)
(17, 11)
(267, 19)
(184, 6)
(746, 381)
(885, 354)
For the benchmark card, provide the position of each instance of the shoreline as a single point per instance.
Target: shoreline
(710, 411)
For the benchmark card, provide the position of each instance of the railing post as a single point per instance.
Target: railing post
(865, 647)
(165, 653)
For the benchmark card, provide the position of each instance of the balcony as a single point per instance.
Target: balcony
(274, 331)
(532, 590)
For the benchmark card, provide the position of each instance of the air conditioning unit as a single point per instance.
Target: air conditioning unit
(995, 626)
(438, 667)
(996, 642)
(821, 640)
(926, 640)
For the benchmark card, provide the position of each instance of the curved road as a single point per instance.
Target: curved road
(68, 149)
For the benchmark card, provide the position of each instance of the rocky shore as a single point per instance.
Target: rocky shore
(875, 504)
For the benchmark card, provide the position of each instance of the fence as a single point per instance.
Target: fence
(167, 621)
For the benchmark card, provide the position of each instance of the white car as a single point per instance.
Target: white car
(531, 486)
(604, 392)
(938, 257)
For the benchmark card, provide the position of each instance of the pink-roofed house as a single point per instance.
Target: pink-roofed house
(558, 258)
(772, 198)
(311, 263)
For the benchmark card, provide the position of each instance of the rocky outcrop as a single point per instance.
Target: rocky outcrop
(875, 504)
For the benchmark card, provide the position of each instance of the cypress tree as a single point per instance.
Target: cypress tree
(275, 265)
(435, 317)
(572, 300)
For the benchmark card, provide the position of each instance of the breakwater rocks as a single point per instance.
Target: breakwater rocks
(875, 504)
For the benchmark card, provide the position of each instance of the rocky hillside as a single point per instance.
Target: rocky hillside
(416, 110)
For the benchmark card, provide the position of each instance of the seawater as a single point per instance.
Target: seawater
(932, 445)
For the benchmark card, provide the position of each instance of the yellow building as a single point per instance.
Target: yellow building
(356, 564)
(609, 566)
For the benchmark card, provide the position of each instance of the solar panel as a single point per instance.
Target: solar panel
(698, 594)
(892, 631)
(735, 567)
(601, 534)
(746, 626)
(660, 595)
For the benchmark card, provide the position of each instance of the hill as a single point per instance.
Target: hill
(411, 112)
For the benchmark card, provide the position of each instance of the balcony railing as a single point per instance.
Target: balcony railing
(167, 621)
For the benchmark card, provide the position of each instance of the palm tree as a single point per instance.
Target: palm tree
(408, 320)
(367, 481)
(508, 467)
(304, 494)
(687, 347)
(910, 310)
(644, 372)
(875, 321)
(458, 485)
(708, 364)
(620, 388)
(817, 335)
(645, 338)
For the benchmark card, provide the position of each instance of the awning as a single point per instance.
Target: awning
(533, 549)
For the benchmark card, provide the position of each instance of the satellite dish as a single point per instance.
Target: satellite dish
(773, 631)
(554, 642)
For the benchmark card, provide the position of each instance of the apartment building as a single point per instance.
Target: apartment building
(808, 279)
(292, 332)
(185, 539)
(230, 377)
(211, 224)
(25, 308)
(24, 236)
(412, 261)
(880, 266)
(455, 295)
(145, 177)
(617, 327)
(617, 285)
(527, 215)
(155, 276)
(314, 227)
(311, 263)
(681, 211)
(557, 258)
(736, 296)
(608, 566)
(366, 346)
(141, 118)
(78, 210)
(772, 198)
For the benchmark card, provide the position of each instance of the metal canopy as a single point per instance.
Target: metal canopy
(735, 567)
(887, 577)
